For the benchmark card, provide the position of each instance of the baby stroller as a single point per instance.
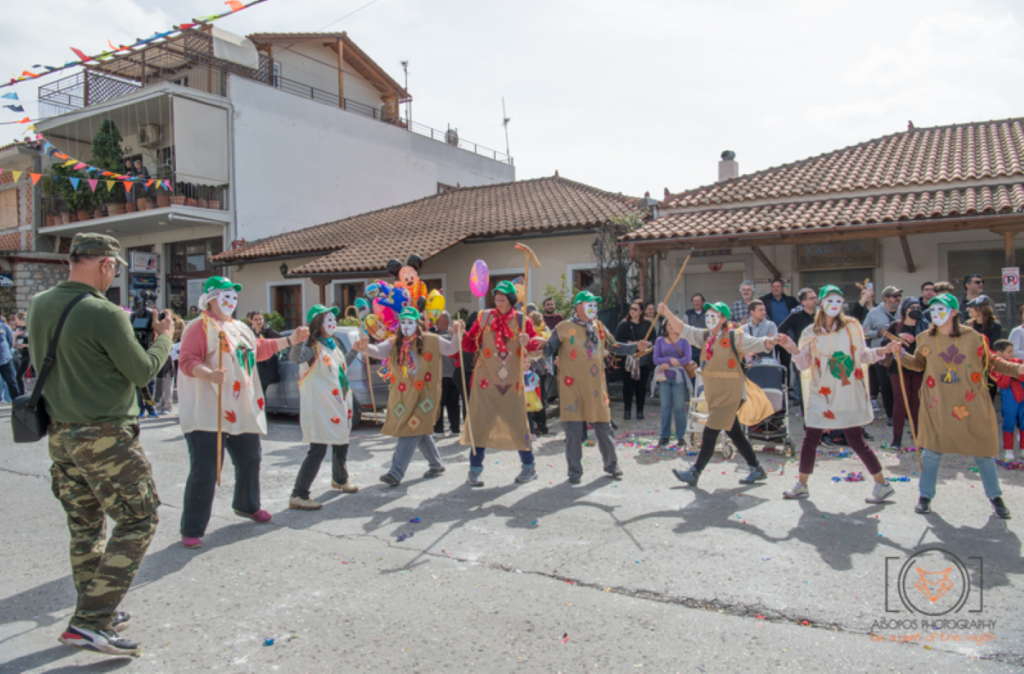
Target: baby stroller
(770, 375)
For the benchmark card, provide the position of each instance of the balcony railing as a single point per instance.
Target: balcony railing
(88, 205)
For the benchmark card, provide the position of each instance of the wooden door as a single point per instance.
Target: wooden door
(288, 303)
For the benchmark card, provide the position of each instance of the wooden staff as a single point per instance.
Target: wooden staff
(903, 389)
(670, 291)
(366, 355)
(530, 257)
(220, 403)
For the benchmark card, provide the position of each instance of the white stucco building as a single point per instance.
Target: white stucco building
(256, 137)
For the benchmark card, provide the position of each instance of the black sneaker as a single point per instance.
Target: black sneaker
(640, 415)
(924, 506)
(434, 472)
(388, 480)
(615, 473)
(575, 479)
(828, 441)
(101, 641)
(756, 474)
(690, 476)
(867, 436)
(662, 442)
(1002, 512)
(626, 415)
(121, 621)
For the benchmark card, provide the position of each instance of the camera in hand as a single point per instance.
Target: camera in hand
(142, 318)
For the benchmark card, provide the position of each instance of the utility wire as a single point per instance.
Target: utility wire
(349, 14)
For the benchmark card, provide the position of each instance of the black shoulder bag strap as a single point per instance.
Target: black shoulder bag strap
(51, 354)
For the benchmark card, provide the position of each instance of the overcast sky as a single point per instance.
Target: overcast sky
(625, 96)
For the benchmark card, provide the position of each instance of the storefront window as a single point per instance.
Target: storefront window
(846, 279)
(989, 263)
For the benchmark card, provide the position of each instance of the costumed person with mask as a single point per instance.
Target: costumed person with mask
(326, 405)
(724, 385)
(956, 414)
(497, 407)
(832, 358)
(581, 345)
(909, 322)
(414, 371)
(241, 400)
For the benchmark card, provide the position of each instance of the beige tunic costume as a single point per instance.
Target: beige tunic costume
(415, 391)
(724, 383)
(834, 374)
(241, 393)
(582, 387)
(956, 414)
(326, 410)
(497, 406)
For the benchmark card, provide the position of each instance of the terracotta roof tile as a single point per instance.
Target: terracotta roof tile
(923, 156)
(835, 213)
(430, 225)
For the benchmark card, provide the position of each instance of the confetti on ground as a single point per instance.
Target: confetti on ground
(402, 537)
(565, 637)
(414, 520)
(268, 642)
(533, 523)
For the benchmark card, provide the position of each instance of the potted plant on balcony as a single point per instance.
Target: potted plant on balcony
(79, 199)
(108, 155)
(215, 197)
(163, 197)
(49, 202)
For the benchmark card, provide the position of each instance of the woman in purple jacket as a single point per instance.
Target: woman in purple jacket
(671, 354)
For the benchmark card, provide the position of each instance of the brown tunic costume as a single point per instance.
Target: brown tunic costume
(582, 387)
(413, 398)
(956, 415)
(724, 383)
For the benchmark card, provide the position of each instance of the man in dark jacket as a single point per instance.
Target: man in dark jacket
(794, 325)
(779, 304)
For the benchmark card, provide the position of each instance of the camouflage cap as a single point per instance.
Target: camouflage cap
(96, 244)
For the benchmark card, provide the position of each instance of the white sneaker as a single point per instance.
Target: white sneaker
(298, 503)
(880, 493)
(1008, 455)
(799, 490)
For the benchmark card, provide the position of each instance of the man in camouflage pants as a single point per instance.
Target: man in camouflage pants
(99, 468)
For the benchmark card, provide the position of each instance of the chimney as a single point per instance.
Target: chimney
(728, 168)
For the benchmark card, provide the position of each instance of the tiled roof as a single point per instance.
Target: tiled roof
(924, 156)
(430, 225)
(835, 213)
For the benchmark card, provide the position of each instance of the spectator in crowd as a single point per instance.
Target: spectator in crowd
(551, 317)
(865, 304)
(794, 325)
(7, 369)
(142, 173)
(927, 293)
(1011, 397)
(740, 311)
(193, 311)
(778, 303)
(1017, 336)
(877, 322)
(983, 320)
(974, 286)
(165, 380)
(695, 316)
(907, 326)
(129, 170)
(541, 367)
(21, 359)
(269, 374)
(99, 467)
(651, 314)
(759, 324)
(632, 330)
(671, 354)
(449, 393)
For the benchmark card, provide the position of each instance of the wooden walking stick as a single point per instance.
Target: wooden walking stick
(672, 289)
(530, 257)
(220, 404)
(906, 405)
(366, 355)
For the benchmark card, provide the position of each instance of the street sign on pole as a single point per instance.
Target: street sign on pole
(1011, 279)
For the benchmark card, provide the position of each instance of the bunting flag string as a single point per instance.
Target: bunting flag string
(83, 58)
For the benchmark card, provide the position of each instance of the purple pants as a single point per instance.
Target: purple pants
(854, 437)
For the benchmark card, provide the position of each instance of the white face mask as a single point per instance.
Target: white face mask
(408, 326)
(590, 310)
(941, 314)
(227, 300)
(833, 305)
(330, 324)
(712, 319)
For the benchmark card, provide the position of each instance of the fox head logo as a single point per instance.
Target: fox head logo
(933, 584)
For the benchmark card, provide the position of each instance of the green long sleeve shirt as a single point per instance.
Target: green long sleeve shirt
(99, 362)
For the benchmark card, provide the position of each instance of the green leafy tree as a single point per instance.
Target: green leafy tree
(562, 295)
(108, 155)
(77, 199)
(274, 320)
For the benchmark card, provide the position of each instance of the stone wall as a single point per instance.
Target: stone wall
(32, 277)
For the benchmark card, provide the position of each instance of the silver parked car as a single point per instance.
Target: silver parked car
(283, 396)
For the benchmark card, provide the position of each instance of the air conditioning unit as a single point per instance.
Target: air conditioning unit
(149, 135)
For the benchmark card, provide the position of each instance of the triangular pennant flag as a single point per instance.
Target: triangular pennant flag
(13, 96)
(235, 5)
(167, 185)
(15, 108)
(110, 185)
(186, 26)
(91, 169)
(80, 54)
(1, 171)
(24, 121)
(70, 162)
(26, 73)
(60, 155)
(80, 165)
(35, 177)
(74, 182)
(149, 183)
(16, 174)
(93, 183)
(127, 186)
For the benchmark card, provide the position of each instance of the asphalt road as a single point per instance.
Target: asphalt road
(641, 574)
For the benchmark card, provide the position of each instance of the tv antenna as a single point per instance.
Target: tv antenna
(505, 119)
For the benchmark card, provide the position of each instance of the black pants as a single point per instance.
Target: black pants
(539, 418)
(710, 438)
(246, 453)
(23, 364)
(637, 387)
(311, 466)
(449, 401)
(11, 379)
(885, 386)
